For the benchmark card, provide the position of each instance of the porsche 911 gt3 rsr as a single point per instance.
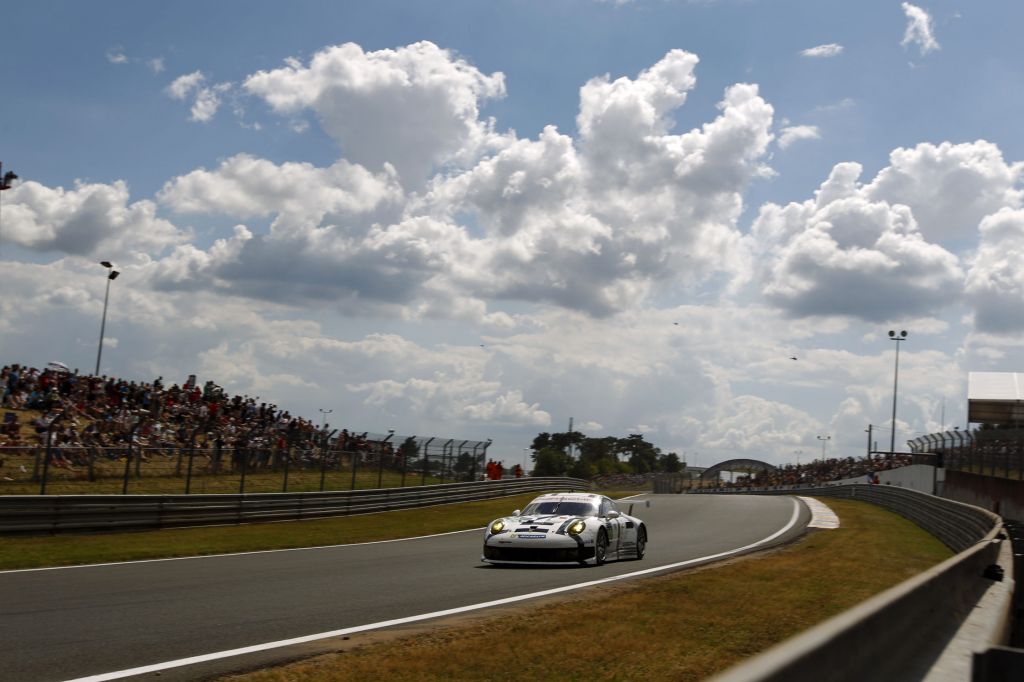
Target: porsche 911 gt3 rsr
(566, 528)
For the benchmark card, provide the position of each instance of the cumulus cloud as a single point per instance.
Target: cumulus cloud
(91, 218)
(156, 65)
(791, 134)
(843, 253)
(949, 187)
(207, 99)
(995, 282)
(587, 223)
(919, 29)
(181, 86)
(823, 51)
(885, 249)
(415, 107)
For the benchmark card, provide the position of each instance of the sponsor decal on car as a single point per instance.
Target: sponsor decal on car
(529, 536)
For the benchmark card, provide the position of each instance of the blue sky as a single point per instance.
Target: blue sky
(524, 276)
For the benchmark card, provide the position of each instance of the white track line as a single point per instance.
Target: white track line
(424, 616)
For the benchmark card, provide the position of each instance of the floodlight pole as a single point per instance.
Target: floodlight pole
(111, 276)
(893, 336)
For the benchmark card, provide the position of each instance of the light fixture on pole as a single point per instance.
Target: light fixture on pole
(5, 183)
(824, 440)
(111, 276)
(893, 336)
(798, 453)
(324, 419)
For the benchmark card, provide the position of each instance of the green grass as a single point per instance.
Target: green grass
(64, 550)
(154, 482)
(684, 626)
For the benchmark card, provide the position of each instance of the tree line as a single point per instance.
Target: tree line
(573, 454)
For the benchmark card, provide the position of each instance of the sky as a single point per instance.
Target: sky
(693, 220)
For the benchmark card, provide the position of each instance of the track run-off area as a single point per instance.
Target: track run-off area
(177, 616)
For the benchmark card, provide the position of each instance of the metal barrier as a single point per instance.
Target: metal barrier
(97, 513)
(899, 634)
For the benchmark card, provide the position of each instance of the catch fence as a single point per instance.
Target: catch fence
(989, 452)
(323, 465)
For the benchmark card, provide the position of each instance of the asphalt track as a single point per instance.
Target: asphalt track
(63, 624)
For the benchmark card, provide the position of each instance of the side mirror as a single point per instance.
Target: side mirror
(613, 514)
(517, 512)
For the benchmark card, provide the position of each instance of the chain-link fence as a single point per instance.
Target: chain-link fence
(329, 462)
(991, 452)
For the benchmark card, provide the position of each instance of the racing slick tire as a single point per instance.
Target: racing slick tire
(641, 542)
(601, 547)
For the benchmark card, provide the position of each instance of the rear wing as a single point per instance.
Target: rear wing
(630, 504)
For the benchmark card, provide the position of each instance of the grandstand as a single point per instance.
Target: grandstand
(72, 433)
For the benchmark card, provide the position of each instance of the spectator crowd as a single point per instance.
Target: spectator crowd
(89, 412)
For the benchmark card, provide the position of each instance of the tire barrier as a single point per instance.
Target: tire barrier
(34, 514)
(900, 633)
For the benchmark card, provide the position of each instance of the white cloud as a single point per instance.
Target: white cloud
(181, 86)
(207, 100)
(554, 220)
(156, 64)
(91, 219)
(823, 51)
(791, 134)
(919, 29)
(995, 282)
(117, 56)
(376, 105)
(949, 187)
(843, 253)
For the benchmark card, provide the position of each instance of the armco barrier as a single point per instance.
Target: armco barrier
(26, 514)
(900, 633)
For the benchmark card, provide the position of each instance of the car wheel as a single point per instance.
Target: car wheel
(641, 542)
(601, 547)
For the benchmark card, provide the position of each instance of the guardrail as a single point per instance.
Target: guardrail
(900, 633)
(97, 513)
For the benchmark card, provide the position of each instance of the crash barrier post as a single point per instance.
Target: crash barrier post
(900, 633)
(35, 514)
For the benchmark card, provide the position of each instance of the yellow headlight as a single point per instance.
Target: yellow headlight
(576, 527)
(497, 527)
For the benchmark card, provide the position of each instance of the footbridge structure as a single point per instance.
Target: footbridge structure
(744, 465)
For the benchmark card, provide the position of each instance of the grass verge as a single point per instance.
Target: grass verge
(65, 550)
(684, 626)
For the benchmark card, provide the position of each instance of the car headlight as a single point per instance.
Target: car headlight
(576, 527)
(497, 527)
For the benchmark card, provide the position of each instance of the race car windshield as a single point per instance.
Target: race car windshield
(564, 508)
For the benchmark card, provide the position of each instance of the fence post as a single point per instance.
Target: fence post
(92, 464)
(245, 467)
(323, 466)
(426, 465)
(287, 463)
(128, 460)
(355, 458)
(49, 448)
(191, 457)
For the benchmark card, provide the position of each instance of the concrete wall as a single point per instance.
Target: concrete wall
(920, 477)
(1002, 496)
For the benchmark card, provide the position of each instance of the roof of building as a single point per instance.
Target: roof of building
(995, 397)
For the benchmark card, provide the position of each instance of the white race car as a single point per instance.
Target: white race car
(566, 528)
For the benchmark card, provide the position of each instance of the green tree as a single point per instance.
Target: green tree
(551, 461)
